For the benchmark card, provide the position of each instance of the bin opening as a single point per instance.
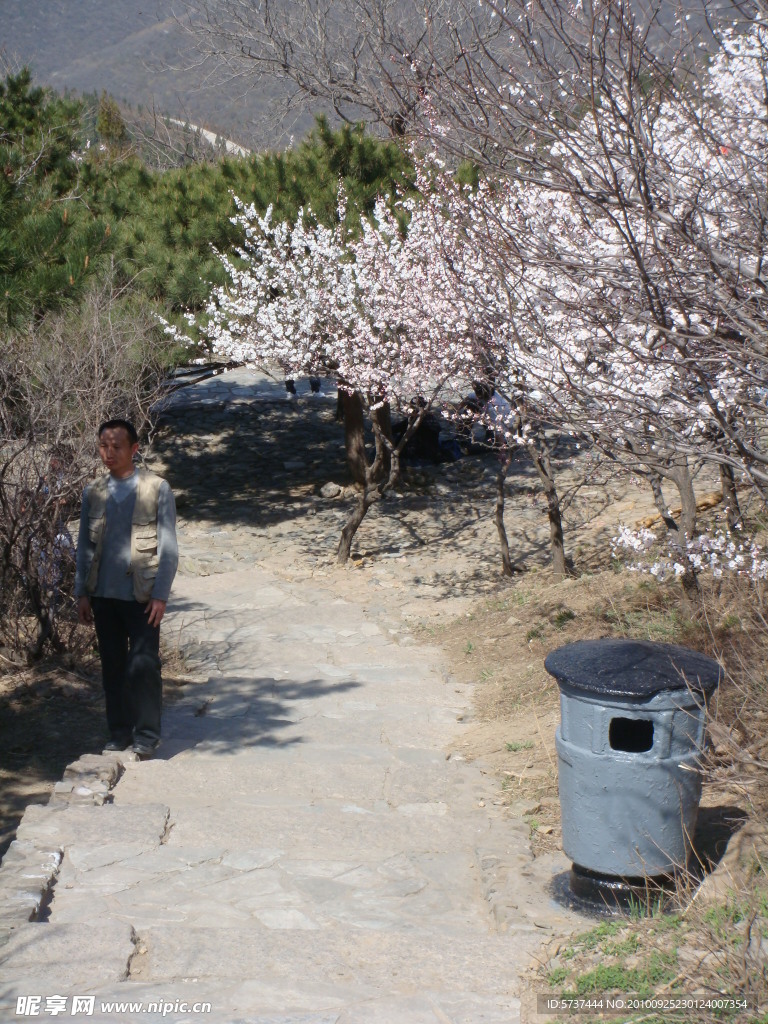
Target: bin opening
(633, 735)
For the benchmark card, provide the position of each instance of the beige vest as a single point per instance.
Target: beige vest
(143, 532)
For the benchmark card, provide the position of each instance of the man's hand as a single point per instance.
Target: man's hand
(84, 613)
(155, 610)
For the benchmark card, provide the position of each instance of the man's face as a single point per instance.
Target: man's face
(117, 451)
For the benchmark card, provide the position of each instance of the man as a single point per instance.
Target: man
(126, 560)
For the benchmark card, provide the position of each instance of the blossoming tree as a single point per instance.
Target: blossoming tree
(375, 310)
(609, 274)
(630, 236)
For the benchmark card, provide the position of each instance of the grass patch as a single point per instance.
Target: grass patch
(557, 976)
(562, 617)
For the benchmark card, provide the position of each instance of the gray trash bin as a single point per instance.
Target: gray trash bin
(633, 715)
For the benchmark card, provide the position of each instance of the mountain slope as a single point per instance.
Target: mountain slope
(137, 51)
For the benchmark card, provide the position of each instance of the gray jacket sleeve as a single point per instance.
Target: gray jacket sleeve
(167, 547)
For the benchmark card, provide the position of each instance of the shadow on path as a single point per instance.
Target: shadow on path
(255, 464)
(233, 712)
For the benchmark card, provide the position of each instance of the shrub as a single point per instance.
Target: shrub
(59, 380)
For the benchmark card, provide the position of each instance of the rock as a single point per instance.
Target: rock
(552, 802)
(725, 740)
(747, 847)
(525, 808)
(330, 490)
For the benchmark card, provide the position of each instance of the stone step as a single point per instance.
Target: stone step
(346, 975)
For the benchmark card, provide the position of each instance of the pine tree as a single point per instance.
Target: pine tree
(49, 244)
(160, 226)
(169, 222)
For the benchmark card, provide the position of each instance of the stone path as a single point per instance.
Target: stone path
(306, 849)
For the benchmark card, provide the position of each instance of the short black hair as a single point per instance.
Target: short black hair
(128, 427)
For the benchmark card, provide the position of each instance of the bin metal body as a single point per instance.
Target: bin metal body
(633, 717)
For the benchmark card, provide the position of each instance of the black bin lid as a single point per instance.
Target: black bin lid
(632, 668)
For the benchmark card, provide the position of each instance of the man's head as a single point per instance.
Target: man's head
(118, 443)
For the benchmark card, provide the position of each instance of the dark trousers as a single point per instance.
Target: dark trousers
(130, 669)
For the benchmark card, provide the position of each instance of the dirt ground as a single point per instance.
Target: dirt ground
(500, 647)
(48, 716)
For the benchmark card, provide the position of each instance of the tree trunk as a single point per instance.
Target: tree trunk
(45, 631)
(376, 483)
(540, 458)
(501, 477)
(730, 500)
(660, 503)
(382, 429)
(394, 469)
(45, 628)
(680, 475)
(354, 435)
(365, 499)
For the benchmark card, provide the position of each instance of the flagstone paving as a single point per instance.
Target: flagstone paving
(308, 846)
